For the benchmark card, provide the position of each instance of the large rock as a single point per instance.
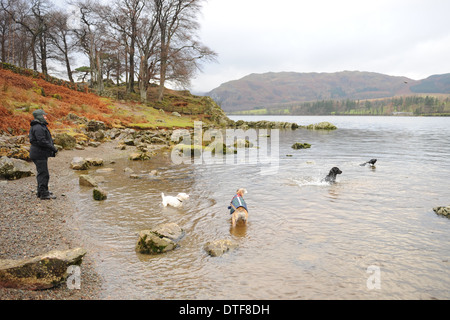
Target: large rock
(99, 194)
(42, 272)
(163, 238)
(135, 156)
(66, 141)
(96, 162)
(94, 125)
(443, 211)
(219, 247)
(13, 169)
(299, 145)
(265, 124)
(87, 180)
(14, 150)
(322, 126)
(79, 163)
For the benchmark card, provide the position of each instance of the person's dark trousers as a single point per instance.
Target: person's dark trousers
(42, 177)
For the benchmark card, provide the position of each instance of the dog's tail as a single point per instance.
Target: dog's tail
(164, 203)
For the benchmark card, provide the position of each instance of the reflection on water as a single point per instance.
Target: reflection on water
(305, 239)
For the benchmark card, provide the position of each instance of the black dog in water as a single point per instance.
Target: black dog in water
(331, 177)
(371, 162)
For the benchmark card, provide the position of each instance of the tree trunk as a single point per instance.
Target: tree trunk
(43, 47)
(66, 57)
(100, 86)
(69, 70)
(143, 83)
(163, 66)
(33, 53)
(131, 80)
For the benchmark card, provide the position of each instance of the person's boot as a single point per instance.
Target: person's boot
(38, 194)
(47, 196)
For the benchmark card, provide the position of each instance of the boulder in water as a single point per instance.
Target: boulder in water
(219, 247)
(322, 126)
(443, 211)
(161, 239)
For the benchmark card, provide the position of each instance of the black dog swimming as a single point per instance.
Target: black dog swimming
(371, 162)
(331, 177)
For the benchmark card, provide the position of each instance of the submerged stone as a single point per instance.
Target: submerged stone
(219, 247)
(299, 145)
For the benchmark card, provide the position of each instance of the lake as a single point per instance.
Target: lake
(371, 235)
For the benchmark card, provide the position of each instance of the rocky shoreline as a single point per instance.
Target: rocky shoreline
(30, 227)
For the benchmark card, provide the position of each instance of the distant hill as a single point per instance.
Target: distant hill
(434, 84)
(270, 90)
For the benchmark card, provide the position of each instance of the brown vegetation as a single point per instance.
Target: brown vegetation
(20, 96)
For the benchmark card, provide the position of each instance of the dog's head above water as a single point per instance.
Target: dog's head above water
(183, 196)
(241, 191)
(335, 171)
(331, 177)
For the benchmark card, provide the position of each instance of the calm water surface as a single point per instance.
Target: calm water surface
(305, 239)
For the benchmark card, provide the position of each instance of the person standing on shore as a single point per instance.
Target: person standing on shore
(41, 149)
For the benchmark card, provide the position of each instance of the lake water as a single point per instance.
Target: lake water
(371, 235)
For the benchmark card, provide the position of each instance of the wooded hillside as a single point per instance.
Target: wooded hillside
(325, 93)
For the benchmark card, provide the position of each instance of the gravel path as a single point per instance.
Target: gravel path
(30, 227)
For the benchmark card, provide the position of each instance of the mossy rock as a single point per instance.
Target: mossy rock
(243, 143)
(135, 156)
(66, 141)
(99, 194)
(443, 211)
(322, 126)
(161, 239)
(299, 145)
(39, 273)
(219, 148)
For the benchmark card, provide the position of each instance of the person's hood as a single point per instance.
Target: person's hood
(35, 122)
(39, 116)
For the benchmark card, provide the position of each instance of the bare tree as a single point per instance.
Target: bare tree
(157, 40)
(6, 30)
(148, 43)
(61, 40)
(91, 38)
(177, 26)
(32, 16)
(123, 16)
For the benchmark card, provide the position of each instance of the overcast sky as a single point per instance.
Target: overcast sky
(396, 37)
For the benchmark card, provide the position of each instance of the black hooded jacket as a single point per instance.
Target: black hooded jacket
(41, 141)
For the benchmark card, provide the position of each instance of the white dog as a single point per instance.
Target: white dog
(174, 201)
